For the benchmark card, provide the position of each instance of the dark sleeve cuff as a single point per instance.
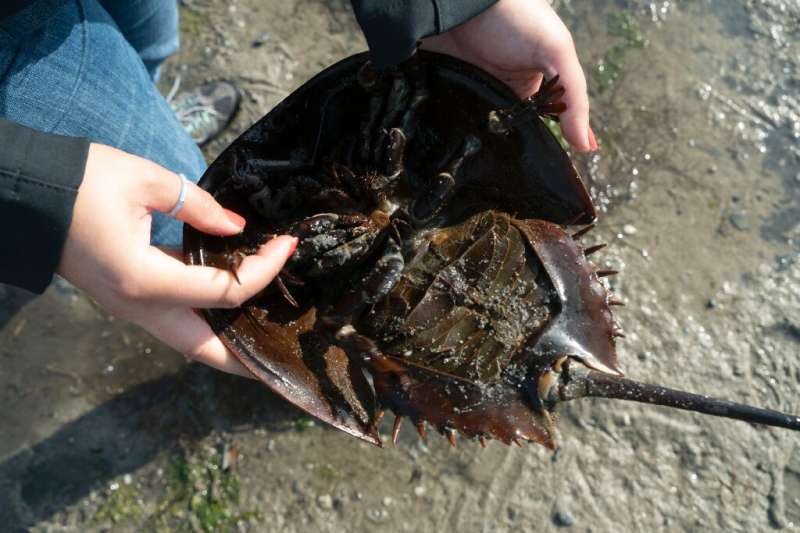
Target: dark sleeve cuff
(39, 178)
(393, 27)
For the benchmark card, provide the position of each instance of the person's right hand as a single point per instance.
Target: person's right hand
(519, 42)
(108, 255)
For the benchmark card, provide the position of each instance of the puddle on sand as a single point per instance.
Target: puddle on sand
(696, 110)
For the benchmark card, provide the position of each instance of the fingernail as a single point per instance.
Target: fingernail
(235, 219)
(293, 246)
(592, 140)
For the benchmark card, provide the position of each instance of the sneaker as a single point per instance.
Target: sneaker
(206, 111)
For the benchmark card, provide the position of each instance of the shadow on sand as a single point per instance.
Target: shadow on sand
(126, 433)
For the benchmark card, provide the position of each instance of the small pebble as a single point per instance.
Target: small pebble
(711, 303)
(325, 501)
(127, 479)
(512, 513)
(262, 39)
(563, 519)
(739, 221)
(419, 490)
(629, 229)
(387, 501)
(377, 515)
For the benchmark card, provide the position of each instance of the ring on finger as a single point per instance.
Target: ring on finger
(181, 197)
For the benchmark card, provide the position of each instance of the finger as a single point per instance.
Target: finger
(535, 84)
(168, 280)
(575, 120)
(524, 83)
(200, 209)
(186, 332)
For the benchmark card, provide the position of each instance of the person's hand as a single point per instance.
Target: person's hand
(518, 41)
(108, 254)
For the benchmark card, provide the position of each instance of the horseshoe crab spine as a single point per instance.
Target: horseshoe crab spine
(577, 382)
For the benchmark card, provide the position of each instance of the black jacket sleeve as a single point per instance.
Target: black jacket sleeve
(393, 27)
(9, 7)
(39, 178)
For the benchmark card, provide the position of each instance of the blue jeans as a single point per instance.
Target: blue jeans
(86, 68)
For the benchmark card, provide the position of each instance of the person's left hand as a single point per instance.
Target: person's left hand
(519, 41)
(108, 255)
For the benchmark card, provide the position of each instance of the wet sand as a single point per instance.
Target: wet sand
(698, 177)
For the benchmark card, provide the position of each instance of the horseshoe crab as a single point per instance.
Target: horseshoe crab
(436, 276)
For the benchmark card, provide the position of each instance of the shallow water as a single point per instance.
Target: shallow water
(697, 114)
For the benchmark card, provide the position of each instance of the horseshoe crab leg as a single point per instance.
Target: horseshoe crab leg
(580, 383)
(442, 188)
(396, 95)
(546, 103)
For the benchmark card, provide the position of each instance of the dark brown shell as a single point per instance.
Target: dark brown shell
(488, 307)
(525, 173)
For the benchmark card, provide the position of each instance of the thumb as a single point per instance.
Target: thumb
(575, 120)
(200, 210)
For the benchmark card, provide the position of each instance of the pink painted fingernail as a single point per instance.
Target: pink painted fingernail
(592, 140)
(235, 219)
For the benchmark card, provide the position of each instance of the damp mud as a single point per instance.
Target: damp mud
(696, 109)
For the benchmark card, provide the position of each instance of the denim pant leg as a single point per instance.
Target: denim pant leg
(151, 26)
(77, 75)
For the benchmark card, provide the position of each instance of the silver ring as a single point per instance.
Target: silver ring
(181, 197)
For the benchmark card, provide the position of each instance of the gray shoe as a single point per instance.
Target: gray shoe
(205, 111)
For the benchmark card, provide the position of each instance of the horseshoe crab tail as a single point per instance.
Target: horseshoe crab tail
(580, 383)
